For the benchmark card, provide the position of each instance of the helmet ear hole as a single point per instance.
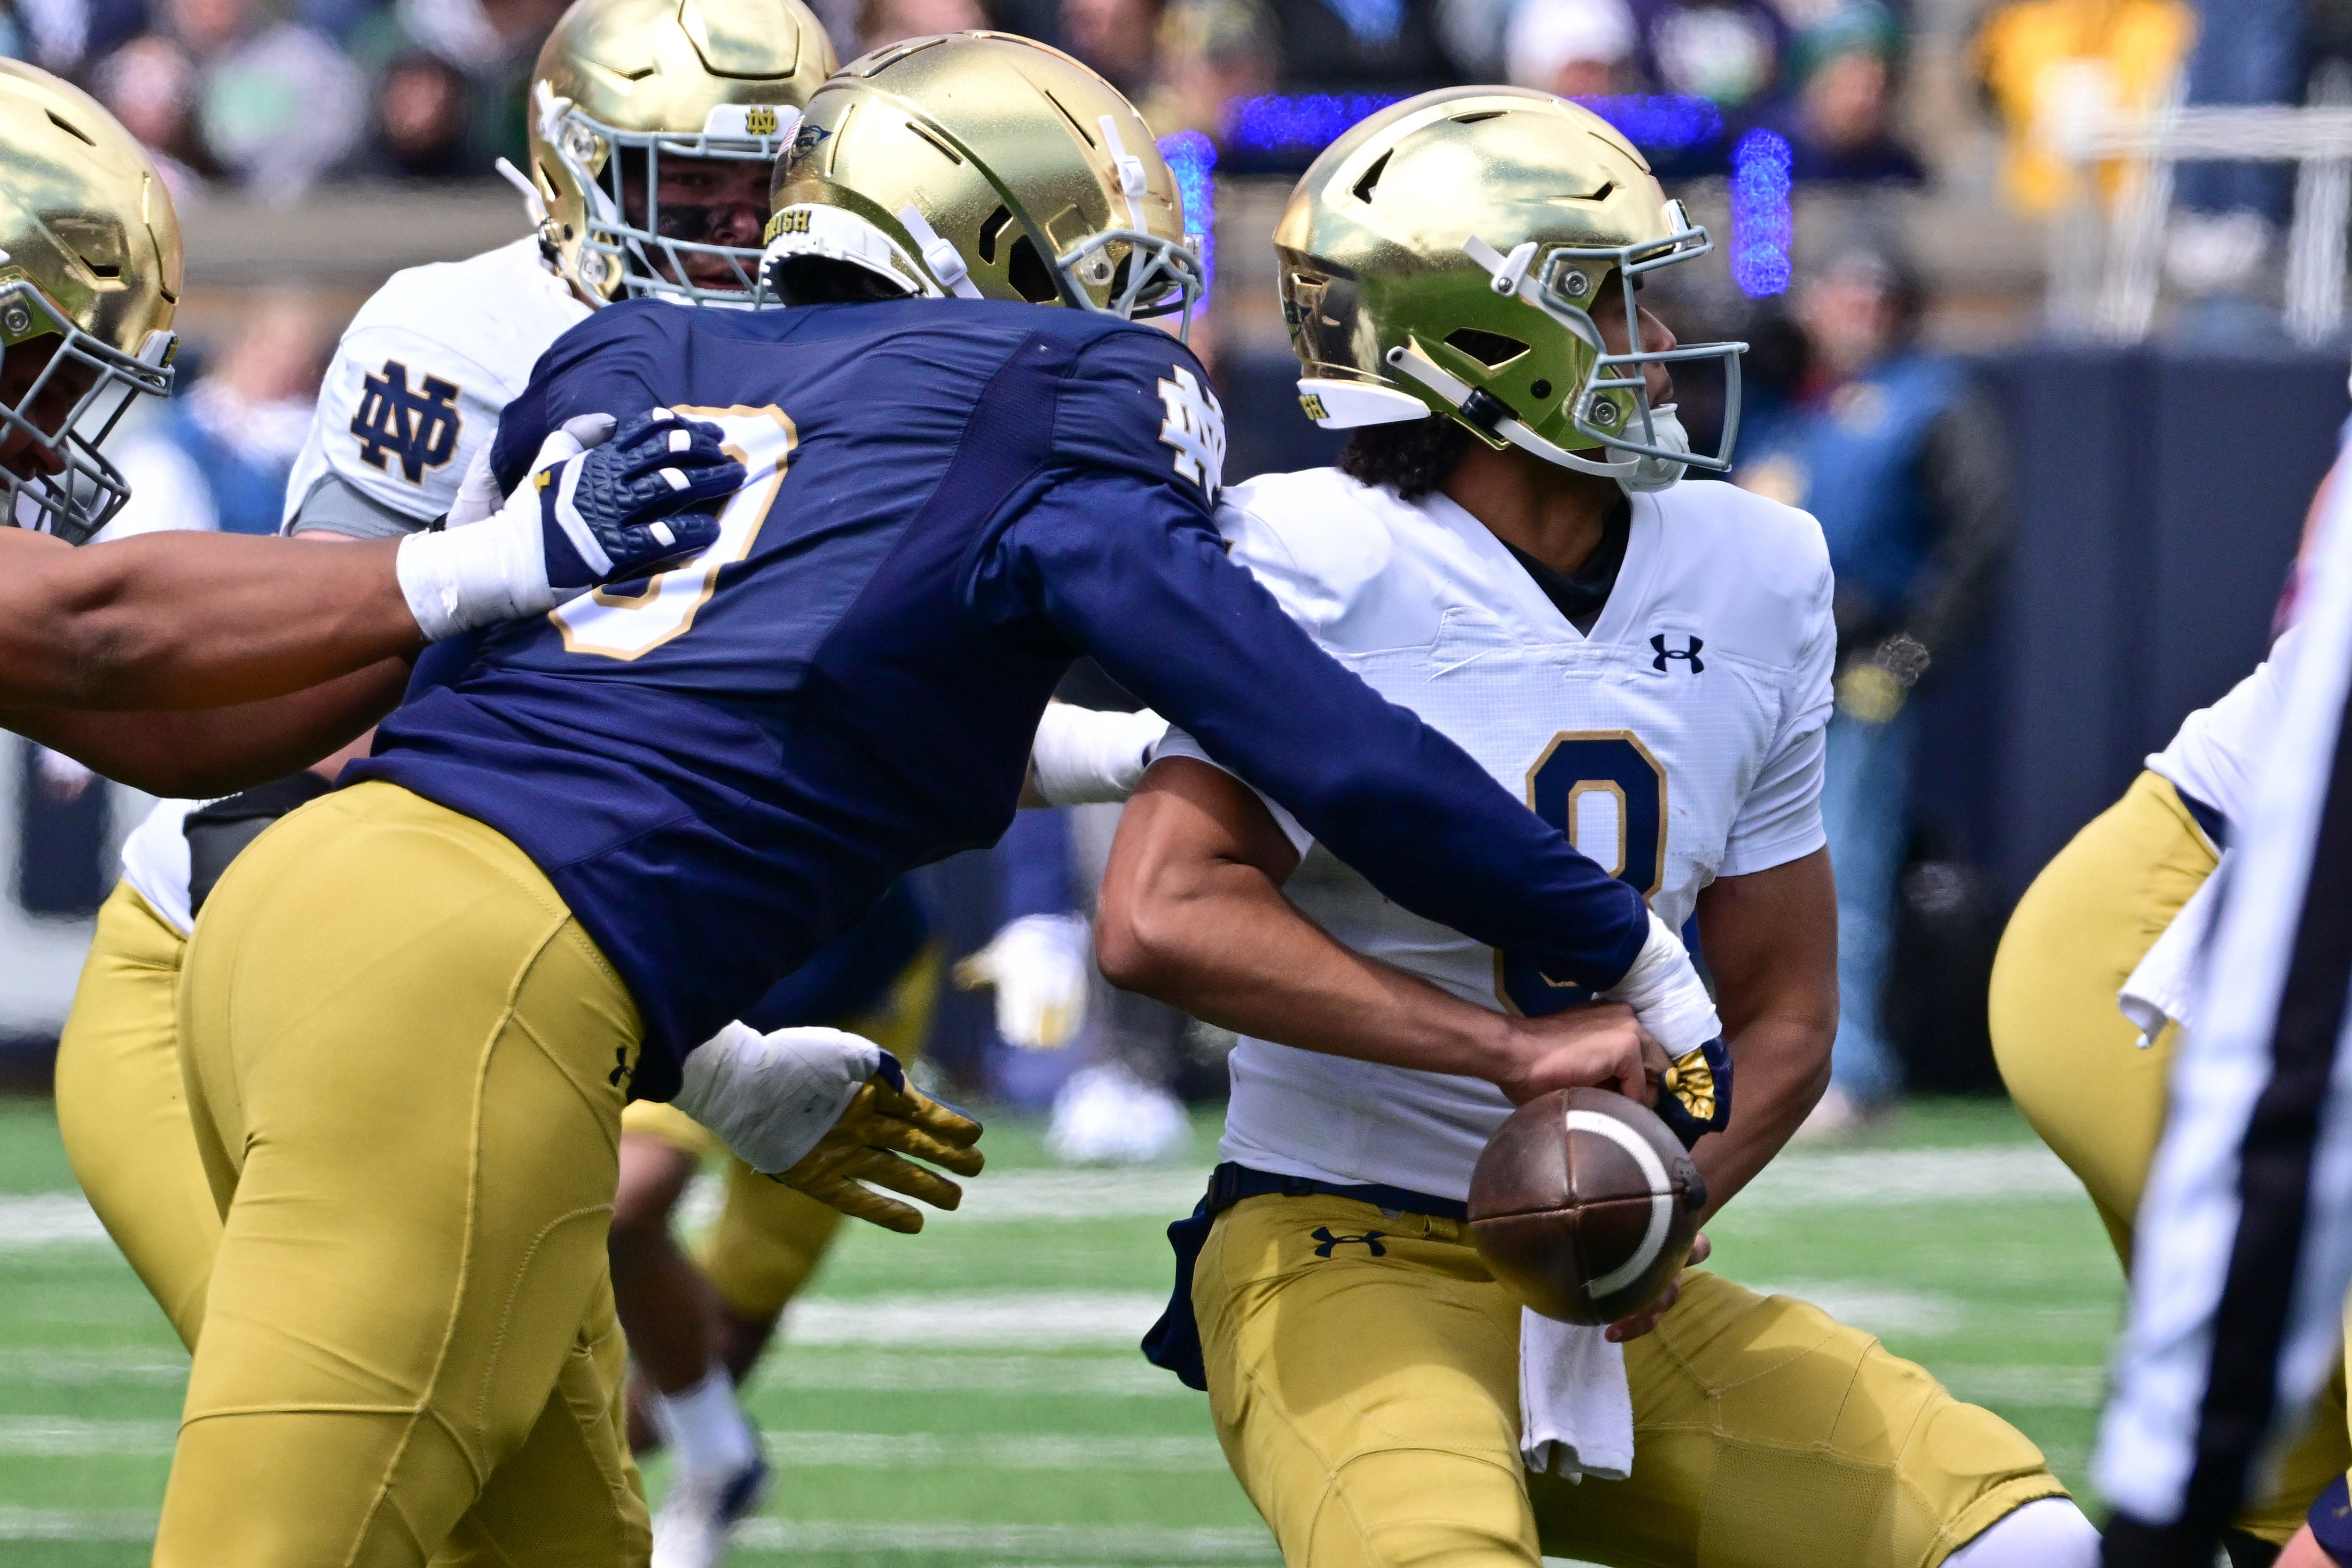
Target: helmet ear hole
(989, 232)
(1492, 350)
(1030, 277)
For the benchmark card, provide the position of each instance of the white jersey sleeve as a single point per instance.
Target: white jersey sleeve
(155, 862)
(2213, 754)
(1781, 819)
(421, 377)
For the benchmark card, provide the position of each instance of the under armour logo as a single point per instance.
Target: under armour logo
(1196, 428)
(420, 428)
(620, 1067)
(1370, 1238)
(1666, 653)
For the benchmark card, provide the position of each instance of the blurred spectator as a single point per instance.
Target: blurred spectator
(62, 35)
(2037, 58)
(150, 85)
(887, 21)
(1576, 48)
(422, 116)
(1841, 124)
(1119, 38)
(1730, 51)
(1211, 52)
(2229, 213)
(1902, 461)
(219, 455)
(1360, 46)
(276, 104)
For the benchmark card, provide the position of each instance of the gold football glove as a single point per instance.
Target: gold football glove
(889, 1120)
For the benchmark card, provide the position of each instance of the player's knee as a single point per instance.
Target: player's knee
(1424, 1508)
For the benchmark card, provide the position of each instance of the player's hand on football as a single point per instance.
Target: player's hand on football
(889, 1120)
(1583, 1047)
(1642, 1322)
(617, 509)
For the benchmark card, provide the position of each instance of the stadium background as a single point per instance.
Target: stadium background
(2161, 346)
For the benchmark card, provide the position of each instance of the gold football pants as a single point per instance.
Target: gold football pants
(122, 1112)
(1371, 1408)
(404, 1065)
(2074, 1066)
(769, 1238)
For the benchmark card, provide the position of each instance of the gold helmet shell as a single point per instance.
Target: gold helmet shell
(1450, 254)
(987, 167)
(621, 84)
(90, 253)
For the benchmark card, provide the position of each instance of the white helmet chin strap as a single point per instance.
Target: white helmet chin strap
(1410, 361)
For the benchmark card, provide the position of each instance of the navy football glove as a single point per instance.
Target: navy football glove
(619, 510)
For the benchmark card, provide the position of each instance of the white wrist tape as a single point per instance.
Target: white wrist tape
(1082, 757)
(465, 577)
(490, 564)
(772, 1097)
(1666, 994)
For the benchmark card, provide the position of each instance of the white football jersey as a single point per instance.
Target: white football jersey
(423, 373)
(2212, 755)
(1680, 742)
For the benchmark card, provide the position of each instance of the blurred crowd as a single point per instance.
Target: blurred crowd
(271, 95)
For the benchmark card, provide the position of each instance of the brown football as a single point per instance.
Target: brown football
(1584, 1206)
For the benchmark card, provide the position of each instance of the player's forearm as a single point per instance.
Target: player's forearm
(183, 620)
(219, 751)
(1779, 1067)
(1221, 944)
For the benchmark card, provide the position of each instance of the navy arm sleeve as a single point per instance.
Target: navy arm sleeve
(1118, 553)
(609, 364)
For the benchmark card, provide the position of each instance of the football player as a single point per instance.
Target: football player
(90, 279)
(564, 867)
(1649, 662)
(652, 147)
(2083, 939)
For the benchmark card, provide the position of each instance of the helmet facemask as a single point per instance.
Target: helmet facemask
(629, 248)
(87, 490)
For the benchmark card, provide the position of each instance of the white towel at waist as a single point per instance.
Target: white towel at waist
(2164, 985)
(1576, 1414)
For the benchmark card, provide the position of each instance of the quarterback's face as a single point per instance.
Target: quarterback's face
(710, 201)
(20, 368)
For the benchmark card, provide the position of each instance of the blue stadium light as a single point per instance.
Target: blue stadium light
(1273, 123)
(1762, 227)
(1192, 158)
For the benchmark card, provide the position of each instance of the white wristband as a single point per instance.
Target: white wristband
(1666, 994)
(1085, 757)
(465, 577)
(772, 1097)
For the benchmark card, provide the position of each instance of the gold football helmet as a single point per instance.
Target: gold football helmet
(622, 83)
(986, 166)
(1450, 254)
(90, 254)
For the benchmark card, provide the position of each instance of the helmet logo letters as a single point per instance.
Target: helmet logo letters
(418, 428)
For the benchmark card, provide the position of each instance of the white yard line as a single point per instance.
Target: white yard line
(49, 1219)
(2051, 1387)
(993, 1451)
(1011, 1319)
(1871, 1308)
(51, 1436)
(1010, 1373)
(122, 1364)
(1064, 1543)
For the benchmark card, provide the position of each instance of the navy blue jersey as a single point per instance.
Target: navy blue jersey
(948, 501)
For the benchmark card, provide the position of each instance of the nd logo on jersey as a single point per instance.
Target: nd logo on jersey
(419, 428)
(1196, 428)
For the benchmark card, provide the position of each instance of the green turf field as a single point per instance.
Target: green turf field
(973, 1397)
